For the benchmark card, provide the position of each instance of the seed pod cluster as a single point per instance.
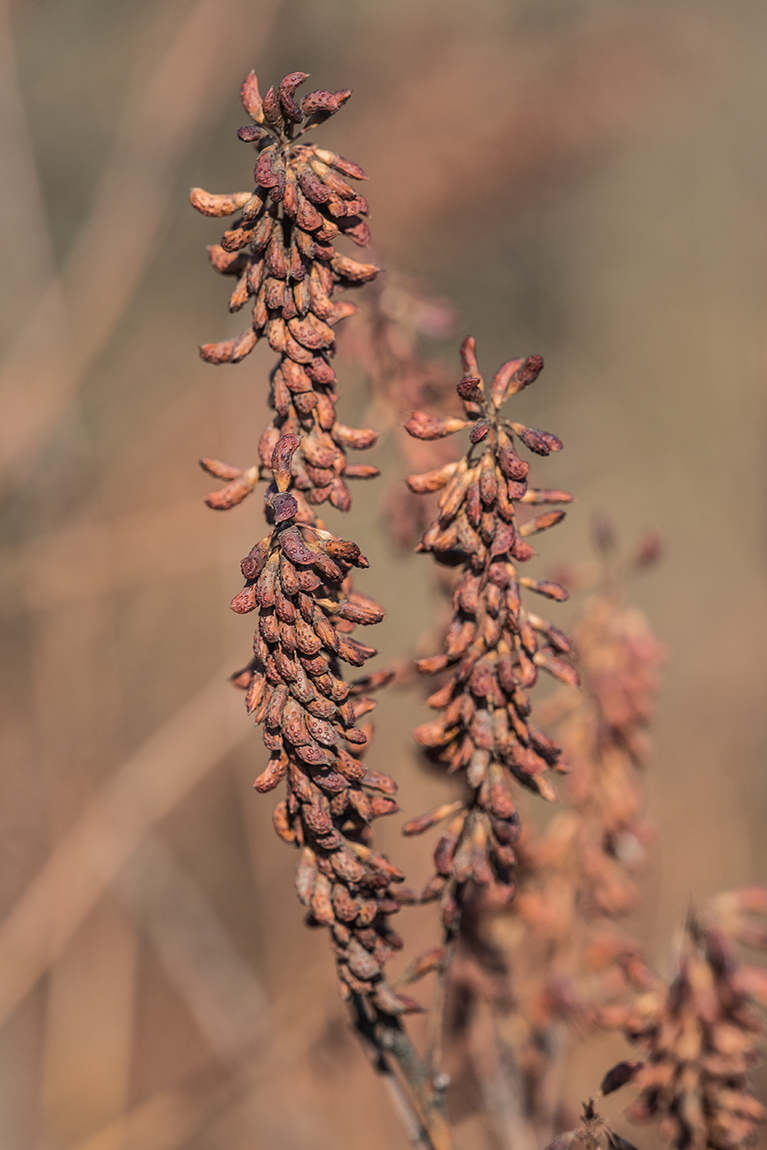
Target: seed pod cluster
(703, 1039)
(570, 960)
(281, 249)
(494, 647)
(297, 582)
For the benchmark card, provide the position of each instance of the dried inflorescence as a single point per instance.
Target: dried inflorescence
(554, 956)
(298, 576)
(495, 646)
(281, 250)
(578, 872)
(702, 1036)
(565, 960)
(297, 580)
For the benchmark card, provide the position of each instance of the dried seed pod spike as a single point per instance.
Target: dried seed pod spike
(282, 250)
(492, 650)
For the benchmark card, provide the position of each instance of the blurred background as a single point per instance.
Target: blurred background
(584, 179)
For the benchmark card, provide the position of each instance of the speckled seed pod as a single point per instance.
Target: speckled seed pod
(494, 647)
(298, 585)
(281, 250)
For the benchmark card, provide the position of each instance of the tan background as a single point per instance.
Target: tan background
(582, 178)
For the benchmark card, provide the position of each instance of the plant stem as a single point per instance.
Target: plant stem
(436, 1022)
(418, 1105)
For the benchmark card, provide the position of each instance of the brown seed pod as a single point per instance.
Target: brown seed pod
(423, 426)
(217, 205)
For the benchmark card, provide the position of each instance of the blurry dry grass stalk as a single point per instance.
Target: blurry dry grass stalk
(140, 793)
(73, 318)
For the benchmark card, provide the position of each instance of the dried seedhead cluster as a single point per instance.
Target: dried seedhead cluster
(702, 1036)
(577, 876)
(561, 955)
(298, 576)
(495, 646)
(281, 251)
(524, 968)
(298, 583)
(554, 956)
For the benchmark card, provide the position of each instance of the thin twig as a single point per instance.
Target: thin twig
(430, 1102)
(371, 1039)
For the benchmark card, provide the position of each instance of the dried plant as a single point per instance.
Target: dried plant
(493, 650)
(549, 959)
(575, 877)
(494, 646)
(552, 956)
(702, 1035)
(298, 575)
(281, 250)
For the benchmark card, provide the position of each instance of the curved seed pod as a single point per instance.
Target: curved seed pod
(285, 90)
(216, 205)
(251, 99)
(423, 426)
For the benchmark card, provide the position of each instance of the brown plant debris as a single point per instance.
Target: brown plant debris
(297, 582)
(494, 647)
(281, 250)
(593, 1132)
(702, 1035)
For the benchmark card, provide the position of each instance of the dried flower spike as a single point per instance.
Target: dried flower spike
(281, 249)
(298, 576)
(554, 956)
(494, 646)
(297, 582)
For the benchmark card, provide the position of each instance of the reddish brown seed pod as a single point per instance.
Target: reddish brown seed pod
(319, 101)
(281, 458)
(541, 442)
(285, 90)
(423, 426)
(352, 270)
(226, 263)
(250, 97)
(271, 108)
(213, 205)
(348, 167)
